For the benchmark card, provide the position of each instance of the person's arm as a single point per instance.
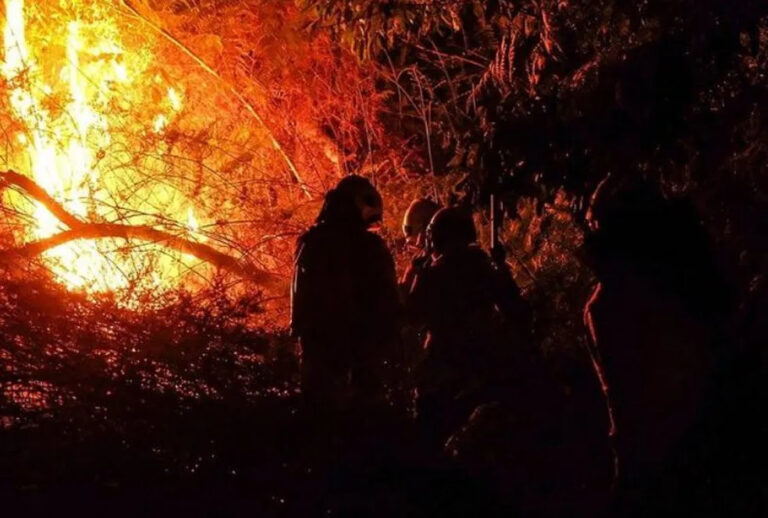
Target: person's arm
(419, 262)
(510, 302)
(417, 300)
(392, 299)
(303, 289)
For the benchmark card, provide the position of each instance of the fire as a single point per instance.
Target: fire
(192, 221)
(73, 93)
(175, 99)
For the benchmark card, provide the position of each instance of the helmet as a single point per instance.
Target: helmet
(354, 200)
(451, 229)
(417, 218)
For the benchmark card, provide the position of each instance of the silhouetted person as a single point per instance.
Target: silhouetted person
(344, 298)
(416, 220)
(415, 223)
(658, 323)
(463, 302)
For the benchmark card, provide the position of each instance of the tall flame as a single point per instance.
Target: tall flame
(64, 148)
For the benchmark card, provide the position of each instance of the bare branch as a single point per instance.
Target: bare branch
(149, 234)
(11, 178)
(85, 230)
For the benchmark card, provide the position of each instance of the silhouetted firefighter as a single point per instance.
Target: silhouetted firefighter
(344, 297)
(415, 223)
(658, 320)
(462, 299)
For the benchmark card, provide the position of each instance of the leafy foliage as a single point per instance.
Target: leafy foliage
(542, 100)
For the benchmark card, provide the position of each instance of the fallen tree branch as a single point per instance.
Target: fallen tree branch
(85, 230)
(147, 234)
(35, 191)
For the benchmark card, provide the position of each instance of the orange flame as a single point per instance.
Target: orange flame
(68, 109)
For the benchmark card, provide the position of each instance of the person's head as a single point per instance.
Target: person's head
(416, 221)
(353, 201)
(638, 232)
(450, 230)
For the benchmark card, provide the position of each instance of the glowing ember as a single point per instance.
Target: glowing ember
(73, 94)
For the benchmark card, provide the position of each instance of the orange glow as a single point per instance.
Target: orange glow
(69, 90)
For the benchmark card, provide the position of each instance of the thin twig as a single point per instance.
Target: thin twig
(240, 97)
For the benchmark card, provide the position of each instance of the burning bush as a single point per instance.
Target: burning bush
(149, 145)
